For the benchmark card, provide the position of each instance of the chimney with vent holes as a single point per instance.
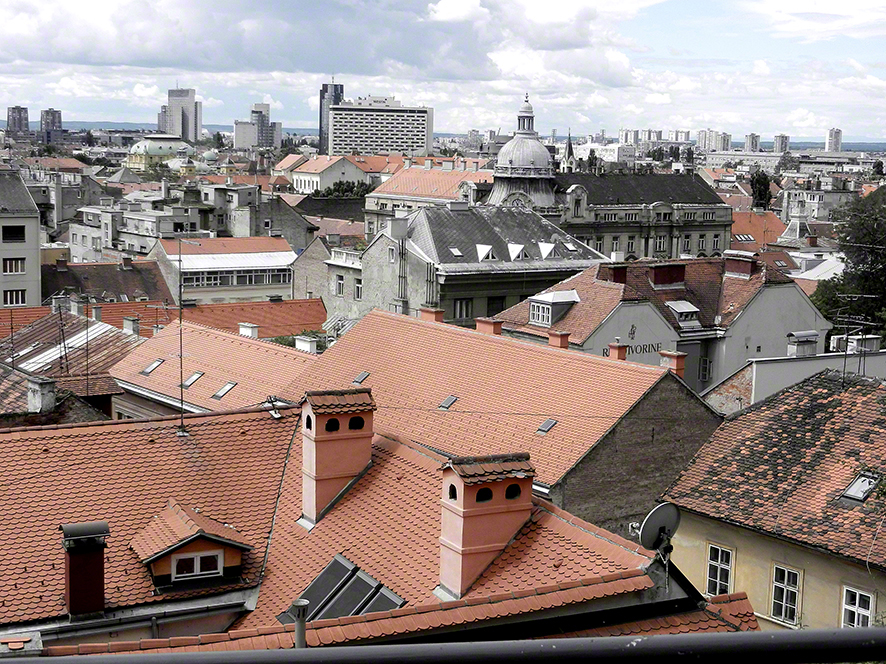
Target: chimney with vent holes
(674, 360)
(558, 339)
(248, 330)
(336, 445)
(84, 545)
(485, 502)
(130, 325)
(618, 350)
(488, 325)
(431, 314)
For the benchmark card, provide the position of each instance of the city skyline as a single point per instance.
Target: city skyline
(798, 69)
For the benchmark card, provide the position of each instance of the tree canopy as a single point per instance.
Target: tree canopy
(760, 190)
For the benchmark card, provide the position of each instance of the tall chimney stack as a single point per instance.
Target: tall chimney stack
(618, 350)
(485, 502)
(674, 360)
(336, 445)
(85, 545)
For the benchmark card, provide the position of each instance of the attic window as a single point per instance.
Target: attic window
(862, 486)
(456, 252)
(540, 314)
(779, 263)
(485, 253)
(569, 246)
(447, 402)
(193, 378)
(153, 365)
(196, 565)
(227, 387)
(363, 375)
(546, 426)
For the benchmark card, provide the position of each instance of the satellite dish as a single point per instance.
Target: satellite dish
(659, 526)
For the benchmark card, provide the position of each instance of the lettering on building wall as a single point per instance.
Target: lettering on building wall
(639, 349)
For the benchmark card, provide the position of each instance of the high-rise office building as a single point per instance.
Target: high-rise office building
(50, 120)
(752, 142)
(17, 121)
(781, 144)
(834, 142)
(331, 94)
(258, 131)
(380, 124)
(182, 115)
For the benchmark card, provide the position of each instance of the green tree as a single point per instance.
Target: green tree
(787, 162)
(90, 139)
(878, 168)
(760, 190)
(219, 140)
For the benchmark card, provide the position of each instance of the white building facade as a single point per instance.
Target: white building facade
(19, 243)
(380, 124)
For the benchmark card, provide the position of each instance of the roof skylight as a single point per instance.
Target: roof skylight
(456, 252)
(363, 375)
(862, 486)
(570, 246)
(193, 378)
(227, 387)
(779, 263)
(447, 402)
(153, 365)
(546, 426)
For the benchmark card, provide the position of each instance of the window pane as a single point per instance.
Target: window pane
(790, 614)
(184, 566)
(851, 598)
(848, 618)
(714, 554)
(724, 575)
(779, 574)
(863, 620)
(793, 579)
(864, 602)
(209, 563)
(725, 556)
(778, 594)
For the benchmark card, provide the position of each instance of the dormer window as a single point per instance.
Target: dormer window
(862, 486)
(686, 313)
(485, 253)
(539, 314)
(197, 565)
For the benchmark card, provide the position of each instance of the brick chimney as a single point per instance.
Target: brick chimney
(85, 545)
(126, 263)
(667, 275)
(431, 314)
(618, 350)
(488, 325)
(812, 240)
(739, 263)
(558, 339)
(485, 502)
(674, 360)
(336, 445)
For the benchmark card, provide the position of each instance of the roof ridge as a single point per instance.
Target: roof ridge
(238, 337)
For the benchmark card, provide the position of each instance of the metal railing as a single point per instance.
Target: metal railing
(784, 647)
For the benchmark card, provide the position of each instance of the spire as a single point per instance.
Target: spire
(569, 153)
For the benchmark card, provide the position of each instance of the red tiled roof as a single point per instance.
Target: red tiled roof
(264, 182)
(122, 471)
(377, 163)
(324, 402)
(781, 466)
(336, 226)
(289, 161)
(89, 385)
(274, 319)
(222, 357)
(423, 183)
(56, 163)
(764, 228)
(771, 258)
(227, 245)
(496, 467)
(504, 389)
(318, 164)
(152, 312)
(808, 286)
(176, 523)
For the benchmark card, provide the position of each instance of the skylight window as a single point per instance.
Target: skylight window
(569, 246)
(447, 402)
(862, 486)
(546, 426)
(153, 365)
(780, 264)
(193, 378)
(363, 375)
(744, 237)
(227, 387)
(456, 252)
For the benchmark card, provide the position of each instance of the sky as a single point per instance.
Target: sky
(793, 66)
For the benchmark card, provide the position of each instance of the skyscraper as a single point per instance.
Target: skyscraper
(781, 144)
(50, 120)
(182, 115)
(331, 94)
(369, 125)
(259, 131)
(752, 142)
(17, 120)
(834, 142)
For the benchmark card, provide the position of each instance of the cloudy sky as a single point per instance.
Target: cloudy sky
(792, 66)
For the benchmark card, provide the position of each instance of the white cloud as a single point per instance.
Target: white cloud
(658, 98)
(274, 103)
(816, 20)
(802, 118)
(761, 68)
(632, 108)
(210, 102)
(856, 65)
(457, 10)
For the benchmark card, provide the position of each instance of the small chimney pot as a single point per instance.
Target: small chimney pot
(249, 330)
(488, 325)
(41, 394)
(558, 339)
(431, 314)
(618, 350)
(61, 264)
(131, 325)
(96, 312)
(306, 344)
(674, 360)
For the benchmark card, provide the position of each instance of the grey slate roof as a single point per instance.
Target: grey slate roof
(14, 196)
(99, 279)
(436, 229)
(640, 189)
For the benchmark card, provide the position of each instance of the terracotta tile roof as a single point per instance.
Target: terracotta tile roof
(107, 280)
(151, 312)
(778, 260)
(274, 319)
(338, 226)
(89, 385)
(68, 164)
(495, 467)
(175, 524)
(503, 388)
(65, 345)
(808, 286)
(318, 165)
(377, 163)
(289, 161)
(421, 183)
(13, 319)
(227, 245)
(229, 466)
(764, 228)
(781, 466)
(723, 613)
(867, 189)
(222, 357)
(264, 182)
(324, 402)
(13, 390)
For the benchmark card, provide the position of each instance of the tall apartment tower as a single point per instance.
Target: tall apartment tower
(380, 124)
(259, 131)
(183, 114)
(724, 142)
(331, 94)
(17, 120)
(752, 142)
(629, 136)
(781, 144)
(50, 120)
(834, 142)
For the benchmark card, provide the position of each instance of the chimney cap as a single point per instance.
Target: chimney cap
(85, 530)
(495, 467)
(356, 400)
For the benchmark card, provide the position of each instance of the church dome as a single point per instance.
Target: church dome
(524, 155)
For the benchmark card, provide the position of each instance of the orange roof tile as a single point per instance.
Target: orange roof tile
(222, 357)
(324, 402)
(289, 161)
(764, 228)
(422, 183)
(808, 286)
(336, 226)
(274, 319)
(317, 165)
(227, 245)
(495, 467)
(152, 312)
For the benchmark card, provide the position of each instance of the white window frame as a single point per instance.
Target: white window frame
(865, 614)
(392, 254)
(540, 314)
(660, 243)
(463, 308)
(787, 591)
(10, 265)
(631, 245)
(16, 297)
(218, 553)
(339, 285)
(702, 241)
(598, 244)
(705, 369)
(358, 288)
(719, 565)
(616, 240)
